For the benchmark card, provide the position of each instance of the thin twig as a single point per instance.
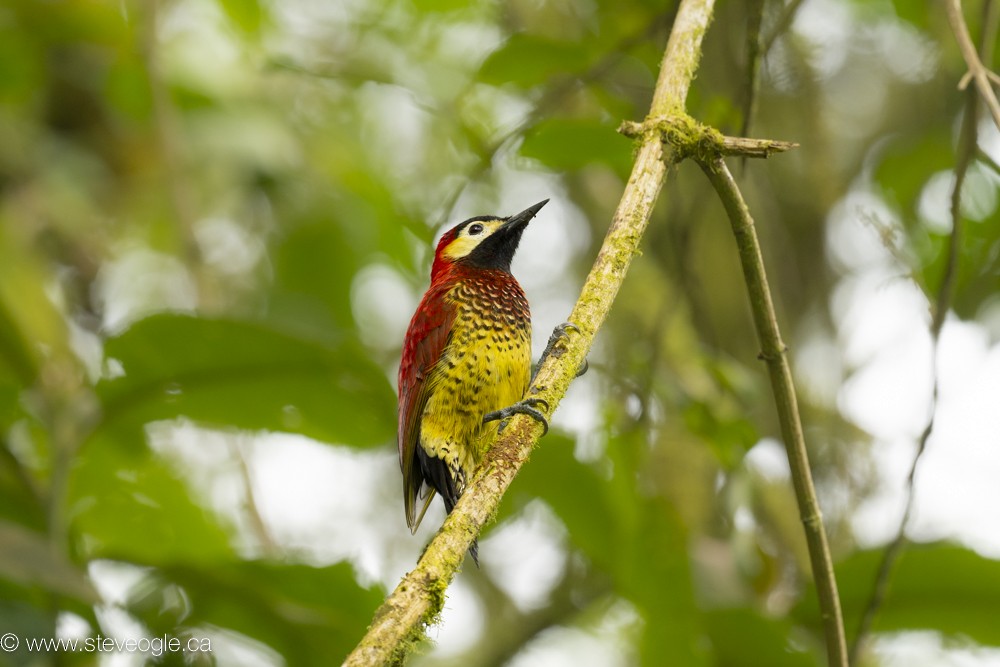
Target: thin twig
(168, 134)
(755, 52)
(681, 129)
(895, 548)
(966, 153)
(267, 543)
(987, 159)
(419, 596)
(782, 25)
(979, 72)
(773, 352)
(763, 148)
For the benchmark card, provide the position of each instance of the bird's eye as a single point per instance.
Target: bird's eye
(475, 229)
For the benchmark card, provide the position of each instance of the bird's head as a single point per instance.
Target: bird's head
(483, 242)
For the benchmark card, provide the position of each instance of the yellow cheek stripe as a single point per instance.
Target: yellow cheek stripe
(465, 244)
(460, 247)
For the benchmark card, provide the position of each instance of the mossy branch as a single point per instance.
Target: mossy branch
(691, 139)
(418, 598)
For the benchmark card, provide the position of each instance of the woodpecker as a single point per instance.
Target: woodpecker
(466, 361)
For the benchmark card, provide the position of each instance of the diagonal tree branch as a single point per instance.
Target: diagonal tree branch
(418, 598)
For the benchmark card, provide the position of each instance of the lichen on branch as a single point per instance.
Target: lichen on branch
(689, 138)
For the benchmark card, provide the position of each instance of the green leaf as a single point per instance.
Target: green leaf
(727, 433)
(127, 89)
(27, 558)
(655, 572)
(574, 491)
(936, 586)
(745, 638)
(529, 60)
(246, 15)
(571, 143)
(915, 13)
(127, 504)
(20, 499)
(247, 376)
(310, 615)
(908, 162)
(638, 541)
(25, 615)
(442, 5)
(977, 272)
(28, 320)
(10, 408)
(21, 64)
(313, 272)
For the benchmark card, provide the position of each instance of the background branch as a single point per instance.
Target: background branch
(419, 596)
(754, 55)
(773, 352)
(169, 137)
(980, 74)
(781, 26)
(967, 150)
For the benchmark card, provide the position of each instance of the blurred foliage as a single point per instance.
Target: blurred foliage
(216, 218)
(919, 597)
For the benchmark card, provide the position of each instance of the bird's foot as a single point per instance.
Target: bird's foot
(557, 344)
(525, 407)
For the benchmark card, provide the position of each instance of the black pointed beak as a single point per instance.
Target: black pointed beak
(497, 250)
(521, 220)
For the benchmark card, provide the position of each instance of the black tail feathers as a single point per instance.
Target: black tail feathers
(436, 473)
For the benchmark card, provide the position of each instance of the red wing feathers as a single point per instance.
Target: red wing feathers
(425, 341)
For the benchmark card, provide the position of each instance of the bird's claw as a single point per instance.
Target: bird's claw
(561, 333)
(558, 339)
(525, 407)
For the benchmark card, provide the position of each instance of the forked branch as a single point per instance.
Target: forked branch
(666, 137)
(418, 598)
(978, 72)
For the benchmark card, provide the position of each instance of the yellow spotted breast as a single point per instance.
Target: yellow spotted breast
(485, 366)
